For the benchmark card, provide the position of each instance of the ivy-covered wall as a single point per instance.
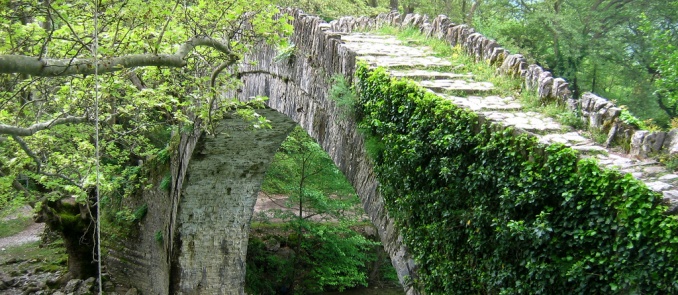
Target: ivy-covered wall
(485, 210)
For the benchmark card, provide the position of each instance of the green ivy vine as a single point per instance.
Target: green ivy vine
(485, 210)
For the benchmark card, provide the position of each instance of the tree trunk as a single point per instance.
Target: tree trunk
(408, 9)
(593, 82)
(474, 7)
(74, 222)
(394, 5)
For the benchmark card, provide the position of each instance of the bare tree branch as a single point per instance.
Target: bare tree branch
(21, 64)
(20, 131)
(28, 151)
(18, 186)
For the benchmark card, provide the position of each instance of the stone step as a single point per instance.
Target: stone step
(406, 62)
(530, 121)
(485, 103)
(369, 38)
(376, 49)
(443, 85)
(428, 75)
(568, 139)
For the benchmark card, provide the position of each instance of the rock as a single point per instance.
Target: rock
(58, 293)
(668, 177)
(658, 186)
(637, 142)
(87, 287)
(370, 231)
(654, 170)
(671, 142)
(32, 291)
(132, 291)
(272, 245)
(671, 199)
(285, 253)
(72, 286)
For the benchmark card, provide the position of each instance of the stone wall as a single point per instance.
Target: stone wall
(137, 258)
(298, 87)
(220, 188)
(597, 113)
(204, 218)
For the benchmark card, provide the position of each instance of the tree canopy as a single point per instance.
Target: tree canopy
(601, 46)
(158, 63)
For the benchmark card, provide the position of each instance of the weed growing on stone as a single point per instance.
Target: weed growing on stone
(344, 95)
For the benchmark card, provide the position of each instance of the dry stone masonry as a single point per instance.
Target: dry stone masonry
(198, 230)
(597, 113)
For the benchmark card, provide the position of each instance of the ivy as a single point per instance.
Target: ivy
(486, 211)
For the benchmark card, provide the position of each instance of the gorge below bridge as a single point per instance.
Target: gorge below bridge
(205, 217)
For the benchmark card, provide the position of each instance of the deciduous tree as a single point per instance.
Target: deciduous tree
(137, 67)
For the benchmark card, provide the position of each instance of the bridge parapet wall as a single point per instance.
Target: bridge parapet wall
(298, 86)
(597, 112)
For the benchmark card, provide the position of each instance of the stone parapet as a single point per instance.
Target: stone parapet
(604, 118)
(597, 113)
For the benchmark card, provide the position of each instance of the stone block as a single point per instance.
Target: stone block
(671, 199)
(658, 186)
(644, 143)
(637, 141)
(671, 142)
(545, 87)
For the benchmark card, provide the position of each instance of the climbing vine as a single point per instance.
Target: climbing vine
(487, 210)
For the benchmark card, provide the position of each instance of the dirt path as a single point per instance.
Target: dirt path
(30, 234)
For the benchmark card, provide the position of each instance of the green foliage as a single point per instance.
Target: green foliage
(344, 96)
(138, 105)
(336, 257)
(630, 119)
(166, 182)
(583, 41)
(158, 236)
(330, 10)
(127, 217)
(487, 212)
(329, 254)
(266, 273)
(286, 53)
(283, 175)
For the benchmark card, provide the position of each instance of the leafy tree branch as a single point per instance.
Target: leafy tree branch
(35, 66)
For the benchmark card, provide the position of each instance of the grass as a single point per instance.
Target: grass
(31, 257)
(14, 226)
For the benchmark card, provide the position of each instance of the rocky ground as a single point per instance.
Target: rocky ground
(27, 266)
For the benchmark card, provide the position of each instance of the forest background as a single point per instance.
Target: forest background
(623, 50)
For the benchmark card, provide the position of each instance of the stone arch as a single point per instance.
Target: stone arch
(205, 216)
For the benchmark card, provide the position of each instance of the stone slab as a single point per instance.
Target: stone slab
(530, 121)
(569, 139)
(410, 61)
(429, 75)
(456, 85)
(487, 103)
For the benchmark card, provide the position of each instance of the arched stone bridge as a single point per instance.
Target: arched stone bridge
(204, 220)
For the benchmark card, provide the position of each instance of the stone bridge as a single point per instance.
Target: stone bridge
(194, 237)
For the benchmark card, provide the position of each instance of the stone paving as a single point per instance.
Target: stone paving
(419, 63)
